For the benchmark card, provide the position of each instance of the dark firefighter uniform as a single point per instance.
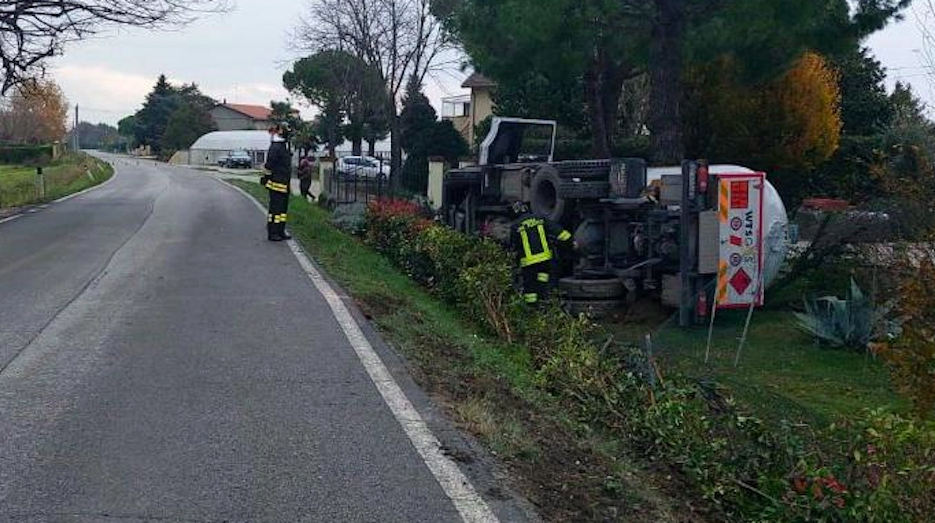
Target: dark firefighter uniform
(534, 239)
(279, 164)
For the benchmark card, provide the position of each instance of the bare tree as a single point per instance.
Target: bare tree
(31, 31)
(400, 39)
(925, 18)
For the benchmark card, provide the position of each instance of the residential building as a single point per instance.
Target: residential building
(241, 117)
(466, 111)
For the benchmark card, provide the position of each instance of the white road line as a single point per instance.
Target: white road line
(11, 218)
(470, 505)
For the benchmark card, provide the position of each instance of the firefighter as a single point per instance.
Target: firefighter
(534, 238)
(279, 165)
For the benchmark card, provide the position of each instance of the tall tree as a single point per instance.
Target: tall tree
(35, 113)
(186, 103)
(659, 37)
(186, 124)
(399, 39)
(31, 31)
(787, 126)
(584, 49)
(100, 136)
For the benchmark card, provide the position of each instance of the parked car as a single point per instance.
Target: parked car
(237, 159)
(361, 167)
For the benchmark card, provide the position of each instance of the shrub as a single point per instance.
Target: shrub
(851, 323)
(911, 358)
(872, 468)
(33, 155)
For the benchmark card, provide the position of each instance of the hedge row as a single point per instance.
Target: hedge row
(25, 155)
(874, 467)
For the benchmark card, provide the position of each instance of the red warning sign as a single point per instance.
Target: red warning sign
(740, 194)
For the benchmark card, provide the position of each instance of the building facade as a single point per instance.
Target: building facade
(241, 117)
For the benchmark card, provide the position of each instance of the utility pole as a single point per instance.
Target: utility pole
(77, 139)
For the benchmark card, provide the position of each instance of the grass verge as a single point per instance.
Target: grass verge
(488, 389)
(782, 372)
(67, 175)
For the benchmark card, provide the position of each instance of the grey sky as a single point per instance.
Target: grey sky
(241, 55)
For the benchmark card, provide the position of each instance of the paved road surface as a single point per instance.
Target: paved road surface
(162, 362)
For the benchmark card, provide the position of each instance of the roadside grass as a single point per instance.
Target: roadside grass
(488, 388)
(783, 372)
(64, 176)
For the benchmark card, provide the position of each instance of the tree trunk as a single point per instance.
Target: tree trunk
(396, 152)
(665, 119)
(593, 87)
(357, 146)
(371, 147)
(603, 87)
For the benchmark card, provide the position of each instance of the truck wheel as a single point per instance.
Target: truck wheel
(593, 308)
(545, 197)
(582, 289)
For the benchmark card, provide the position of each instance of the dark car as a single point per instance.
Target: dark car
(238, 159)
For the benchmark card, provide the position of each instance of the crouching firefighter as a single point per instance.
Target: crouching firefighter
(534, 239)
(279, 165)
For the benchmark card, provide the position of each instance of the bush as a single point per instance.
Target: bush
(911, 358)
(875, 467)
(33, 155)
(852, 323)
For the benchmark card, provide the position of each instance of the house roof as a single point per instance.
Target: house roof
(477, 80)
(257, 112)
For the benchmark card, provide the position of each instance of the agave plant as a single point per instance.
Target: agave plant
(852, 323)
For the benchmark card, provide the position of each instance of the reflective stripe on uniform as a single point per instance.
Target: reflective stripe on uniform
(531, 298)
(269, 218)
(564, 236)
(278, 187)
(528, 257)
(543, 277)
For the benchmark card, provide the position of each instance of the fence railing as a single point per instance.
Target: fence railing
(356, 185)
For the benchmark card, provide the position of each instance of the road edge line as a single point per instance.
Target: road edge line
(469, 504)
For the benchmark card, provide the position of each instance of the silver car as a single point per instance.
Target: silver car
(361, 167)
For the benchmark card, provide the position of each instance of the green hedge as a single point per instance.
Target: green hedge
(874, 467)
(25, 155)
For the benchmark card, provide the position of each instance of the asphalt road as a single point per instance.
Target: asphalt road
(162, 362)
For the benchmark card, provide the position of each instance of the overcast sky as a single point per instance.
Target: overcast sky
(240, 56)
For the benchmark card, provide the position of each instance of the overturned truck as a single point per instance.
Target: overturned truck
(694, 236)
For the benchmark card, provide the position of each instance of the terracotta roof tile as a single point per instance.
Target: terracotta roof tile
(257, 112)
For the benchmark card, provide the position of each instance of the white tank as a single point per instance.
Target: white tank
(775, 217)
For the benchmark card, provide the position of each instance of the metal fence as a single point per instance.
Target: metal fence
(355, 185)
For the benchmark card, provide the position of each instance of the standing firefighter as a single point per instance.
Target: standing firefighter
(534, 239)
(279, 165)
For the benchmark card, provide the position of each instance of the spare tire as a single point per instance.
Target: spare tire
(583, 289)
(545, 197)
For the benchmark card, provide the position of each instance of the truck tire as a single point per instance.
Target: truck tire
(593, 308)
(582, 289)
(545, 196)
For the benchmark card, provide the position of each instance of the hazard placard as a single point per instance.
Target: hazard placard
(740, 264)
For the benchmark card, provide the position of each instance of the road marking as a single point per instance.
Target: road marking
(11, 218)
(470, 505)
